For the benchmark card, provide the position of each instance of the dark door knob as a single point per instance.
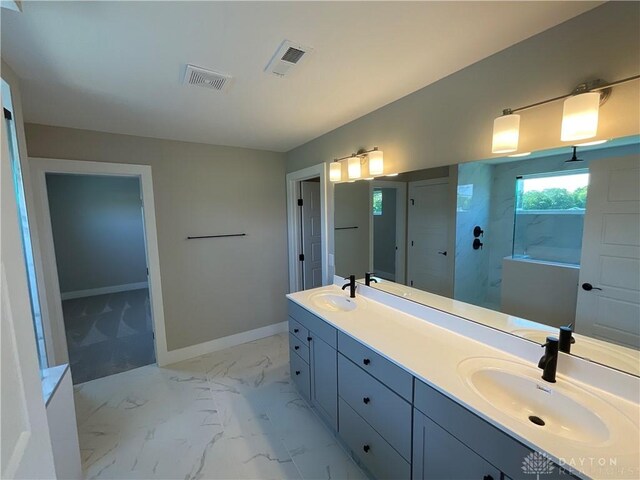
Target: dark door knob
(366, 448)
(487, 477)
(366, 399)
(477, 244)
(443, 253)
(297, 347)
(588, 287)
(366, 361)
(297, 372)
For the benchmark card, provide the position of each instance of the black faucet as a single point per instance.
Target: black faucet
(566, 338)
(351, 285)
(368, 278)
(549, 361)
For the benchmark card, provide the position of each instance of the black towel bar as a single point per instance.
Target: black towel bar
(219, 236)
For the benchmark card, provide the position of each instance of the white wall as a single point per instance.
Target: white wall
(98, 231)
(211, 288)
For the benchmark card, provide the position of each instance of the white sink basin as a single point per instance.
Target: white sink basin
(333, 302)
(561, 409)
(609, 354)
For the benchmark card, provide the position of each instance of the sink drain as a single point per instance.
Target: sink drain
(536, 420)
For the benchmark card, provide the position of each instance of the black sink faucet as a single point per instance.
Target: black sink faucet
(566, 338)
(549, 361)
(368, 278)
(351, 285)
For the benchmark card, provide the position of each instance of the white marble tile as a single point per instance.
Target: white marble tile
(229, 414)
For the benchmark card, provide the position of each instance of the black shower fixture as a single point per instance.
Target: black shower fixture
(574, 158)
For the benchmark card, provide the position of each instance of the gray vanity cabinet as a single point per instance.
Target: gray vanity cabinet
(324, 379)
(314, 340)
(438, 455)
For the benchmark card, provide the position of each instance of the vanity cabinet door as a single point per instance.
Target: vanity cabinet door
(299, 373)
(324, 379)
(438, 455)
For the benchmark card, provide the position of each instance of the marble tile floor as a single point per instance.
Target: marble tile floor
(232, 414)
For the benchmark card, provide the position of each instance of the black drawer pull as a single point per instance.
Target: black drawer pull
(309, 339)
(487, 477)
(296, 330)
(297, 372)
(366, 361)
(297, 347)
(366, 448)
(366, 400)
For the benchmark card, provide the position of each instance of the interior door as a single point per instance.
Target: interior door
(26, 447)
(609, 284)
(311, 239)
(428, 237)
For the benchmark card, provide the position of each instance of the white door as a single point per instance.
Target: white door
(428, 236)
(609, 284)
(25, 444)
(311, 238)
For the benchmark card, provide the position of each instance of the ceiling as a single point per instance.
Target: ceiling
(118, 66)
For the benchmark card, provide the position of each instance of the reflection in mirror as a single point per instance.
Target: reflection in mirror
(540, 241)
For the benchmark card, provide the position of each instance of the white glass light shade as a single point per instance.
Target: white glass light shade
(376, 162)
(506, 131)
(335, 171)
(353, 167)
(580, 117)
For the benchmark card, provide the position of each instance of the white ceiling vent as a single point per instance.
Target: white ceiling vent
(288, 55)
(206, 78)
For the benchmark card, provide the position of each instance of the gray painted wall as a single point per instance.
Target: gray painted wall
(98, 231)
(211, 288)
(352, 245)
(451, 121)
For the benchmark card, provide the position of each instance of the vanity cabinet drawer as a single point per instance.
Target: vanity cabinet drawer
(370, 448)
(394, 377)
(299, 347)
(300, 374)
(296, 329)
(484, 439)
(388, 413)
(318, 326)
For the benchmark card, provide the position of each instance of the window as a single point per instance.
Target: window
(24, 224)
(549, 216)
(377, 202)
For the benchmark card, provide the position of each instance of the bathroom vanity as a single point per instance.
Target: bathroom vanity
(411, 399)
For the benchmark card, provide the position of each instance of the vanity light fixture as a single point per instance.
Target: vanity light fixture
(335, 171)
(354, 168)
(506, 131)
(355, 162)
(579, 116)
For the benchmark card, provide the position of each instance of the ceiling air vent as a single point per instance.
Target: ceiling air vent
(288, 55)
(206, 78)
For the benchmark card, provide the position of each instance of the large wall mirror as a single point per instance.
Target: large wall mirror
(525, 245)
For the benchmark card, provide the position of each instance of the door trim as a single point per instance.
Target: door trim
(39, 168)
(293, 223)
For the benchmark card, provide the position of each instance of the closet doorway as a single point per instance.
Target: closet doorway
(101, 265)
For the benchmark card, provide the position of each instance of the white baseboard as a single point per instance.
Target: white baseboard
(103, 290)
(186, 353)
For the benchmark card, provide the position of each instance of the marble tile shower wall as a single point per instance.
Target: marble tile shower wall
(471, 266)
(502, 212)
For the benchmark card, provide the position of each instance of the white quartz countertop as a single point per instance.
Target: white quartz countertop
(432, 354)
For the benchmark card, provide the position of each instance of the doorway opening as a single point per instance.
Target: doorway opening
(98, 236)
(307, 228)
